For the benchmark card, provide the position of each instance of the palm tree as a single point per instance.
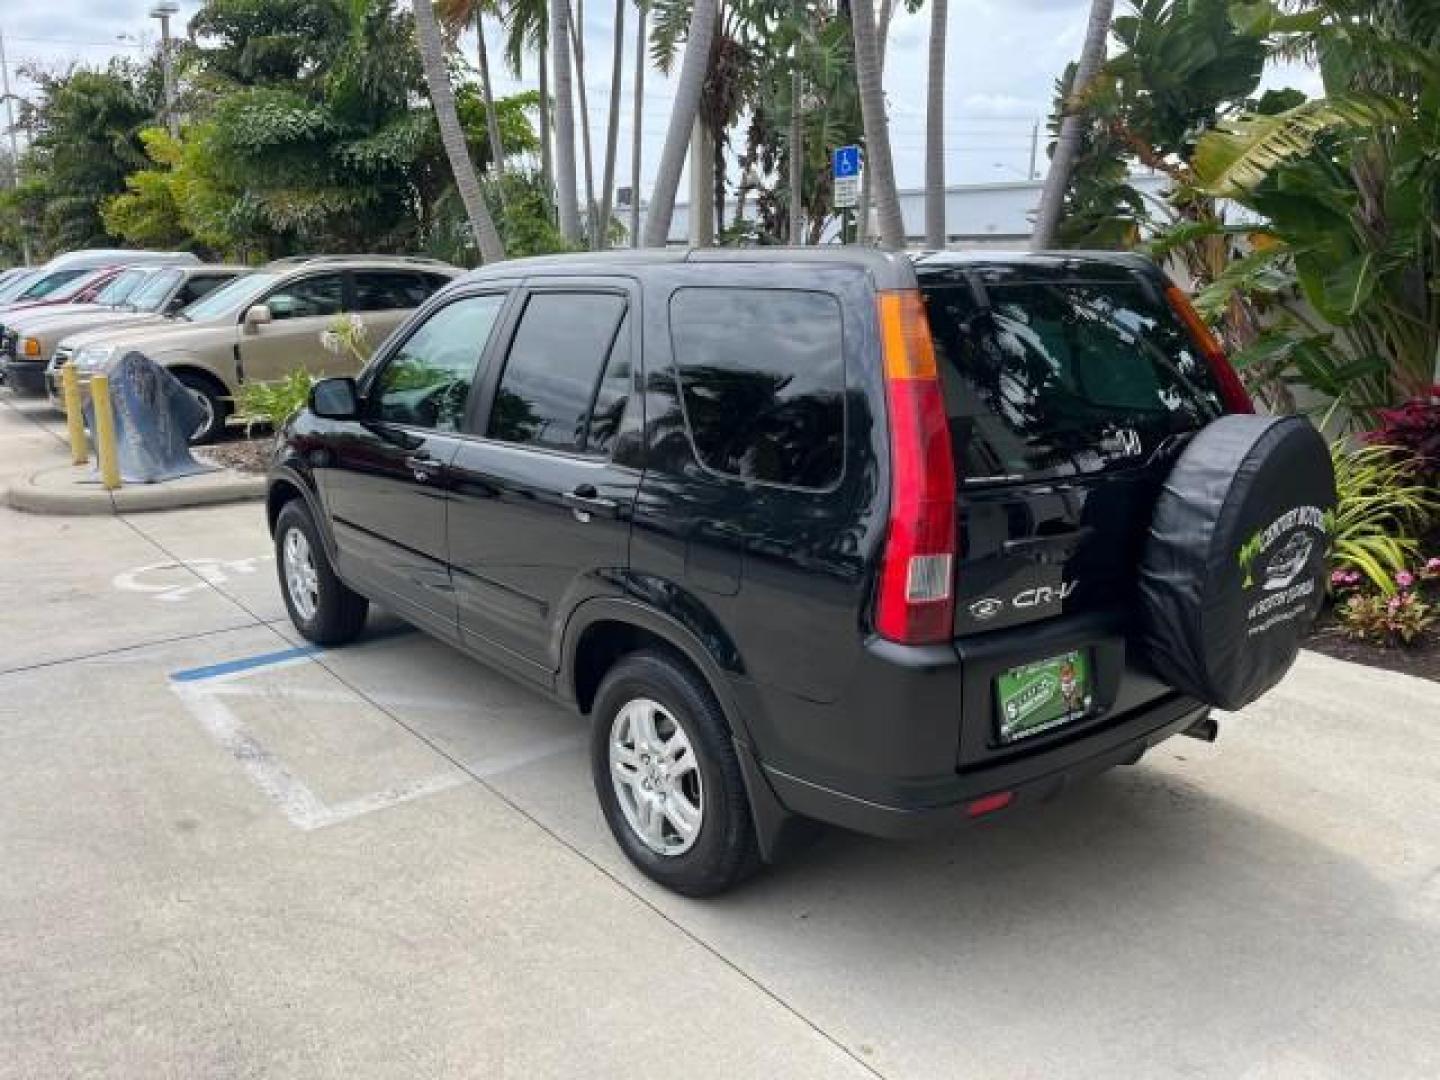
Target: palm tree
(682, 120)
(877, 126)
(452, 135)
(882, 45)
(455, 15)
(612, 131)
(577, 42)
(935, 131)
(1067, 146)
(527, 27)
(635, 140)
(564, 122)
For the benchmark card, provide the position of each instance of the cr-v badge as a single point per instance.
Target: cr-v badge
(1041, 596)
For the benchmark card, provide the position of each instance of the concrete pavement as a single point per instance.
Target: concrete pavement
(228, 856)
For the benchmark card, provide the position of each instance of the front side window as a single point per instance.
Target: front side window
(427, 381)
(553, 374)
(389, 290)
(308, 298)
(762, 379)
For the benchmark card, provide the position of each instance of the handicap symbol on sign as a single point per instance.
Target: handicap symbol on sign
(847, 162)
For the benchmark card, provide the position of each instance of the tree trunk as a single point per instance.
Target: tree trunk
(797, 152)
(882, 40)
(612, 131)
(1067, 147)
(569, 210)
(877, 126)
(492, 119)
(635, 139)
(702, 190)
(452, 136)
(935, 232)
(682, 121)
(577, 42)
(547, 138)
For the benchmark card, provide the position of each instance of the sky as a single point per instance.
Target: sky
(1004, 58)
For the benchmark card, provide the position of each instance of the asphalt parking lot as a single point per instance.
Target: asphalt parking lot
(226, 855)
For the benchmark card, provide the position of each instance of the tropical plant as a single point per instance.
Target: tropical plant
(612, 127)
(1415, 429)
(935, 232)
(1067, 146)
(1397, 620)
(1382, 511)
(1348, 186)
(270, 404)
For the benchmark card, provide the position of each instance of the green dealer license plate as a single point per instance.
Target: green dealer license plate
(1044, 695)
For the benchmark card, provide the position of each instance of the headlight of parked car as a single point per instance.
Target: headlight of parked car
(93, 356)
(29, 348)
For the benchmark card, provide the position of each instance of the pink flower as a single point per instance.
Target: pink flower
(1337, 578)
(1394, 605)
(1432, 566)
(1405, 579)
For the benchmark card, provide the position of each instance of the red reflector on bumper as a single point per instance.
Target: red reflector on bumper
(988, 804)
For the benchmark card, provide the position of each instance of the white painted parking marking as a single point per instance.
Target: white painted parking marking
(206, 700)
(173, 582)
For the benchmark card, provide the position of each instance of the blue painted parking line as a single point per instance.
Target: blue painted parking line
(245, 663)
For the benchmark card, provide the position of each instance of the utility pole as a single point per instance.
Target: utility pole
(1034, 149)
(14, 141)
(162, 11)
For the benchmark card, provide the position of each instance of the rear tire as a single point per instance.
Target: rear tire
(211, 396)
(668, 779)
(322, 607)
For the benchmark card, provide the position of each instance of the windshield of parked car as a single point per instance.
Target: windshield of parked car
(230, 299)
(120, 287)
(44, 286)
(16, 285)
(151, 295)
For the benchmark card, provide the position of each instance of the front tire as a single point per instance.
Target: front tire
(213, 404)
(668, 779)
(322, 607)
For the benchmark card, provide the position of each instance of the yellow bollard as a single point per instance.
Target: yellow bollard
(105, 432)
(74, 417)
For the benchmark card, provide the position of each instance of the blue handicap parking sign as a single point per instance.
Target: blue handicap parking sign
(847, 162)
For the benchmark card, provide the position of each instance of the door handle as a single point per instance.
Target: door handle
(586, 500)
(423, 467)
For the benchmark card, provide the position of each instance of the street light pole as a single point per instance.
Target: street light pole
(162, 11)
(14, 142)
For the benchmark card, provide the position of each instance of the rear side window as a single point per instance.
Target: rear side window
(563, 356)
(1057, 378)
(389, 290)
(762, 378)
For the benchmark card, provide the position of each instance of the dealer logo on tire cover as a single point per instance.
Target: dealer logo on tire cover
(1277, 561)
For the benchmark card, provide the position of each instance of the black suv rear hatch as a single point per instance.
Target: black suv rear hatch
(1070, 386)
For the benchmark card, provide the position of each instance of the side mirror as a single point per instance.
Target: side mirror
(335, 399)
(257, 317)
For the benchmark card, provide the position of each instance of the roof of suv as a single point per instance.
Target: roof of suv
(889, 270)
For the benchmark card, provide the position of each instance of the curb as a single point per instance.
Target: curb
(32, 498)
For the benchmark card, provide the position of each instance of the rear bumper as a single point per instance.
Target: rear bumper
(23, 376)
(1029, 779)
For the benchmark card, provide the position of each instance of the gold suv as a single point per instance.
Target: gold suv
(264, 325)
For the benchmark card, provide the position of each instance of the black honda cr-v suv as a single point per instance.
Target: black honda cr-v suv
(890, 542)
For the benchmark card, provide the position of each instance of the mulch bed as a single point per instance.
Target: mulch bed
(1421, 659)
(249, 456)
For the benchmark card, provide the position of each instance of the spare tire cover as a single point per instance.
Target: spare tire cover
(1232, 575)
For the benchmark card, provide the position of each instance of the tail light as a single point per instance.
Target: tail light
(915, 600)
(1232, 390)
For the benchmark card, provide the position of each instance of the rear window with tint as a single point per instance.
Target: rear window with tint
(762, 377)
(1058, 378)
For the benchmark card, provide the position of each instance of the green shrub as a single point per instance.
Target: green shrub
(273, 403)
(1383, 509)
